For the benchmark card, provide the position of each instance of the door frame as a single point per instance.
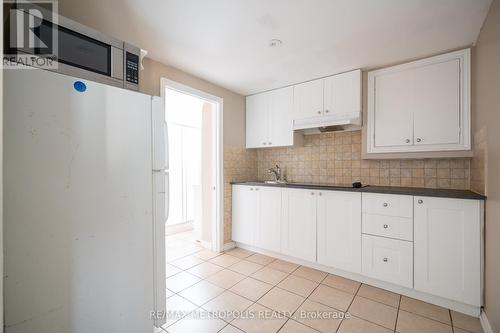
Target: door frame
(217, 151)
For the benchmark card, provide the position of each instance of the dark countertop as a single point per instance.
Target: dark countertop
(418, 191)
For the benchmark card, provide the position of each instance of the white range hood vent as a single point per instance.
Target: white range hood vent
(336, 122)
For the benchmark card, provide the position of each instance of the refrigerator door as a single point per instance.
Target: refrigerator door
(160, 135)
(78, 223)
(160, 201)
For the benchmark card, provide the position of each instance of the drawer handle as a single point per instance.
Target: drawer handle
(386, 226)
(386, 204)
(385, 260)
(420, 201)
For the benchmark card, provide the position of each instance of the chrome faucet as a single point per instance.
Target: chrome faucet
(277, 172)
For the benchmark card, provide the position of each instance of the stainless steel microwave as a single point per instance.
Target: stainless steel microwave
(86, 53)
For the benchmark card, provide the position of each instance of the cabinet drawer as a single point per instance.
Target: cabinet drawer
(388, 226)
(388, 260)
(388, 204)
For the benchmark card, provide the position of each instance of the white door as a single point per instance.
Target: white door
(298, 232)
(268, 233)
(339, 230)
(308, 99)
(281, 117)
(343, 93)
(447, 248)
(245, 213)
(393, 114)
(257, 121)
(436, 103)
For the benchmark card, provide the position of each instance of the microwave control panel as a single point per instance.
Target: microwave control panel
(132, 68)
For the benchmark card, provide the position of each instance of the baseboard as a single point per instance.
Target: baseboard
(485, 323)
(229, 246)
(436, 300)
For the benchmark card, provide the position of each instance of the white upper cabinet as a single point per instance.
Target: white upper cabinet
(447, 245)
(257, 107)
(339, 230)
(342, 94)
(269, 119)
(420, 106)
(308, 99)
(335, 100)
(280, 117)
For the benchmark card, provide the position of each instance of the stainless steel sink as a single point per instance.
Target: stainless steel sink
(275, 182)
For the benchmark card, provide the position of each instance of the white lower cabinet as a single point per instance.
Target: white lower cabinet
(339, 230)
(390, 260)
(298, 232)
(268, 225)
(257, 216)
(448, 248)
(432, 245)
(245, 213)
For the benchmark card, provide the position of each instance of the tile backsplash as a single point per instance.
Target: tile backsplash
(335, 158)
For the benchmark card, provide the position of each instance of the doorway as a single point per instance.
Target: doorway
(194, 121)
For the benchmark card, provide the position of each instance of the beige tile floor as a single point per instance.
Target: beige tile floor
(254, 293)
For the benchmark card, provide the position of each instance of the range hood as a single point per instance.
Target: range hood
(336, 122)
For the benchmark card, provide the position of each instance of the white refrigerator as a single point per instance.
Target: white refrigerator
(85, 204)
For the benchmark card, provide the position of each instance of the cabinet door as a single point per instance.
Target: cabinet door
(245, 213)
(339, 230)
(281, 117)
(268, 227)
(392, 113)
(436, 103)
(298, 233)
(257, 120)
(308, 99)
(389, 260)
(447, 244)
(343, 93)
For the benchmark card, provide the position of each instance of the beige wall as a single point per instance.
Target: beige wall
(486, 112)
(234, 104)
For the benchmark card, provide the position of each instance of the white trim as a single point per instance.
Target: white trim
(229, 246)
(485, 323)
(218, 213)
(446, 303)
(465, 112)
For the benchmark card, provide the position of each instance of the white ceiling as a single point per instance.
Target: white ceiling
(226, 41)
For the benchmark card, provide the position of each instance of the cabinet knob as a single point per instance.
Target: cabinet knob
(419, 140)
(420, 201)
(320, 194)
(312, 193)
(326, 111)
(386, 226)
(251, 188)
(385, 260)
(319, 112)
(386, 204)
(270, 143)
(264, 143)
(257, 189)
(407, 140)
